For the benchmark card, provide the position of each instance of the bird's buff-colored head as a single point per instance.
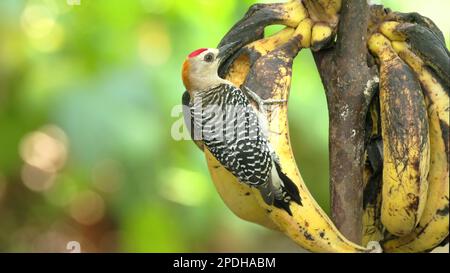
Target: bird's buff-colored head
(200, 69)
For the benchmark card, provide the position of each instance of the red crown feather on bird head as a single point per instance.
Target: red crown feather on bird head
(197, 52)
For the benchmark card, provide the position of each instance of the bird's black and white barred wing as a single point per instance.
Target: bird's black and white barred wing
(231, 131)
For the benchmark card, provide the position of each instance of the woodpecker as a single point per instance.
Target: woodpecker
(222, 117)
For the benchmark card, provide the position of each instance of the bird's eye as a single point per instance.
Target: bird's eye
(209, 57)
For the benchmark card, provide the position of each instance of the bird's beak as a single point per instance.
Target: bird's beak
(227, 50)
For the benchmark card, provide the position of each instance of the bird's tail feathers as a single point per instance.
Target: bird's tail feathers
(281, 195)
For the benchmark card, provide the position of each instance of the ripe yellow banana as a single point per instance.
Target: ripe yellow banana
(406, 149)
(433, 227)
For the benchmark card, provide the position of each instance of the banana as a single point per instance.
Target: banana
(322, 34)
(325, 15)
(389, 29)
(373, 170)
(239, 69)
(239, 198)
(405, 134)
(424, 42)
(324, 11)
(331, 7)
(294, 12)
(416, 18)
(304, 32)
(251, 27)
(433, 227)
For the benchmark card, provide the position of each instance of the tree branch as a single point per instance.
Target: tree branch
(352, 31)
(349, 86)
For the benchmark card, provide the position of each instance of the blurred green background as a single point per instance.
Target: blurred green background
(87, 97)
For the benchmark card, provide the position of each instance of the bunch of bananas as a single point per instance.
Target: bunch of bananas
(406, 174)
(408, 189)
